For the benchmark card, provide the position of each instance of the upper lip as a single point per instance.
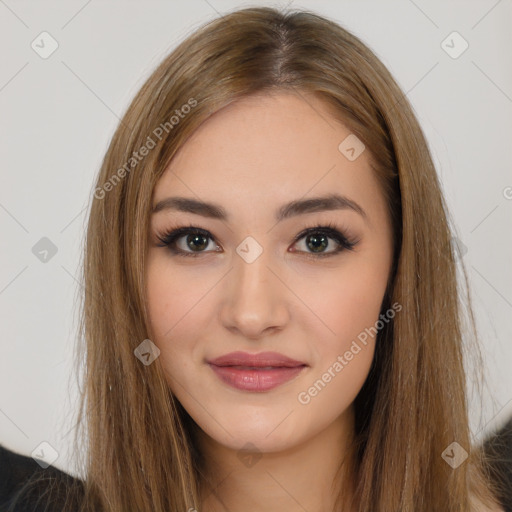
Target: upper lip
(261, 359)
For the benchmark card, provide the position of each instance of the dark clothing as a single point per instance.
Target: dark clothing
(21, 489)
(498, 447)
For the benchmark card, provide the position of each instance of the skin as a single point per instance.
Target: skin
(251, 158)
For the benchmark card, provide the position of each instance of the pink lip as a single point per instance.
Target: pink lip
(261, 359)
(250, 372)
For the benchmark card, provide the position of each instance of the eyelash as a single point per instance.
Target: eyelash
(170, 237)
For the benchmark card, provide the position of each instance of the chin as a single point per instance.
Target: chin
(268, 434)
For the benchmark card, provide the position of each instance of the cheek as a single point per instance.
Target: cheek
(348, 305)
(174, 296)
(344, 302)
(179, 314)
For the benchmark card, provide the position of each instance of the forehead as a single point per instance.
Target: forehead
(267, 149)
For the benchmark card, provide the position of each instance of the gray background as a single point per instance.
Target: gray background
(58, 114)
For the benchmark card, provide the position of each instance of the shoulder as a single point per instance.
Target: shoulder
(25, 485)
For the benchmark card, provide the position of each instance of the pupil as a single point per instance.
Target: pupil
(318, 242)
(192, 239)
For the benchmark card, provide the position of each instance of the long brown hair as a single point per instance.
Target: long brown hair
(140, 450)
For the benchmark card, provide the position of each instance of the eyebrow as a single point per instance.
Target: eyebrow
(291, 209)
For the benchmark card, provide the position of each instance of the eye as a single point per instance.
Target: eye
(187, 241)
(194, 241)
(317, 239)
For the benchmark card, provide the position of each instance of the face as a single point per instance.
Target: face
(305, 282)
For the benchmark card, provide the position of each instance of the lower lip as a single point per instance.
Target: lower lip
(255, 380)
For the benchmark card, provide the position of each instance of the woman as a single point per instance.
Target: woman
(271, 313)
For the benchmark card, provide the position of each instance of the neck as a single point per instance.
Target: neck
(303, 477)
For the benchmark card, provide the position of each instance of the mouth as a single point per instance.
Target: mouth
(256, 367)
(256, 372)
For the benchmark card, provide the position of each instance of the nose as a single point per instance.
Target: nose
(255, 299)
